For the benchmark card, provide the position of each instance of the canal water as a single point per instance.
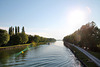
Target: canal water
(47, 55)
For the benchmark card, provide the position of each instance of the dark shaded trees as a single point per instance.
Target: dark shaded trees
(11, 31)
(4, 37)
(30, 39)
(87, 36)
(23, 31)
(24, 38)
(50, 40)
(37, 39)
(15, 39)
(20, 38)
(18, 29)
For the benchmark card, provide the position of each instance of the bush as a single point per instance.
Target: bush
(24, 37)
(15, 39)
(4, 37)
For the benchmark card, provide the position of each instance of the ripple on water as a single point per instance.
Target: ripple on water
(46, 56)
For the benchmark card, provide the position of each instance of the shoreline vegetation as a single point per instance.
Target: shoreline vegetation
(16, 39)
(14, 47)
(88, 38)
(85, 61)
(21, 46)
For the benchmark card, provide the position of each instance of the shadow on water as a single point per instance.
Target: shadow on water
(53, 55)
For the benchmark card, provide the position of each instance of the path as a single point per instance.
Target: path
(93, 58)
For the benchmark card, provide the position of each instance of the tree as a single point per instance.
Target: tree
(41, 39)
(4, 37)
(18, 29)
(23, 31)
(30, 39)
(24, 37)
(15, 39)
(36, 38)
(11, 31)
(87, 36)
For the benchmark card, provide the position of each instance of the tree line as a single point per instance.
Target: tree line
(14, 37)
(88, 37)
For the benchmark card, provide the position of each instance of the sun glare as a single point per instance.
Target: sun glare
(76, 17)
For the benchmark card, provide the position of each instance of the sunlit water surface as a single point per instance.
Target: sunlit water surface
(53, 55)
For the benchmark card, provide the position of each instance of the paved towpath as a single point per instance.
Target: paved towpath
(93, 58)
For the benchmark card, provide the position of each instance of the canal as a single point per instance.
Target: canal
(47, 55)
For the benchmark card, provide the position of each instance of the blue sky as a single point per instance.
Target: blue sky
(49, 18)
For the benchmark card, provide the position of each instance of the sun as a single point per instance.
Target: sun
(76, 17)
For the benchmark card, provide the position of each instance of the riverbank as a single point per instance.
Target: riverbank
(14, 47)
(81, 57)
(96, 54)
(20, 46)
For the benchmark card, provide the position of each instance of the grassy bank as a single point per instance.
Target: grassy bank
(82, 57)
(14, 47)
(96, 54)
(20, 46)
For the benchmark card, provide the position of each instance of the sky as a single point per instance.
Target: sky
(49, 18)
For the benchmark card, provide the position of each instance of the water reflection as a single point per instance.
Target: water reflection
(53, 55)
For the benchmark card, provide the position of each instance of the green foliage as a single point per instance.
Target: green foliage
(15, 39)
(36, 38)
(23, 31)
(4, 37)
(30, 39)
(16, 30)
(96, 54)
(34, 44)
(87, 36)
(83, 57)
(24, 37)
(11, 31)
(18, 38)
(21, 38)
(50, 40)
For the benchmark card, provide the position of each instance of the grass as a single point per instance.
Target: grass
(13, 47)
(83, 57)
(21, 45)
(96, 54)
(98, 46)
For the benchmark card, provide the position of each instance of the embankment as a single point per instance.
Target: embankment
(86, 62)
(20, 46)
(14, 47)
